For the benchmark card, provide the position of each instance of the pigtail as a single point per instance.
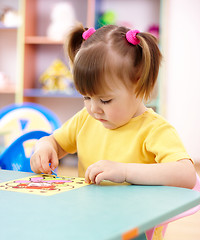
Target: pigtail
(74, 41)
(149, 68)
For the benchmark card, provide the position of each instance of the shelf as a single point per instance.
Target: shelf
(41, 40)
(39, 51)
(53, 94)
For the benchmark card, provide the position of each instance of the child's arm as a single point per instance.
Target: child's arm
(47, 152)
(178, 174)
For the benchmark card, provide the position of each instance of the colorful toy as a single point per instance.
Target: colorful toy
(154, 30)
(45, 185)
(106, 18)
(57, 77)
(18, 119)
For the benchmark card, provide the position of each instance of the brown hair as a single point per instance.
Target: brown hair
(107, 55)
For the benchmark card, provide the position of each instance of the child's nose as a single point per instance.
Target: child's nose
(95, 108)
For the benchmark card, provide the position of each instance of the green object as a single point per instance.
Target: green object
(90, 212)
(107, 18)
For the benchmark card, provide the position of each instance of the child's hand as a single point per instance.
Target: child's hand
(106, 170)
(44, 158)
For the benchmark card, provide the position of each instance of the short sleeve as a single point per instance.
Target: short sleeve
(66, 135)
(166, 145)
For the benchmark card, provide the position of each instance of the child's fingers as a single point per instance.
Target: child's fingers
(87, 180)
(89, 173)
(93, 174)
(36, 164)
(39, 162)
(54, 161)
(93, 170)
(45, 165)
(101, 176)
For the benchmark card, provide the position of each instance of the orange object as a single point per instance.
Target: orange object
(130, 234)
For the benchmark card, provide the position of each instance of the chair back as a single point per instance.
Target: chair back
(192, 210)
(150, 232)
(17, 155)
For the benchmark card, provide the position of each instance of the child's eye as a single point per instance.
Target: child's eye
(86, 98)
(106, 102)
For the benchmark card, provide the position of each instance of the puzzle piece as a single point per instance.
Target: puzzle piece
(43, 184)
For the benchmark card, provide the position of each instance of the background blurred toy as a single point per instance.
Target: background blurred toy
(62, 18)
(106, 18)
(57, 77)
(154, 30)
(10, 17)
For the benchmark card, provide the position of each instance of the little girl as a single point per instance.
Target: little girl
(116, 136)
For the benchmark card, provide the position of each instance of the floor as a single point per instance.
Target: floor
(184, 229)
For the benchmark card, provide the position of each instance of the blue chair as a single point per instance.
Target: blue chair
(16, 157)
(17, 119)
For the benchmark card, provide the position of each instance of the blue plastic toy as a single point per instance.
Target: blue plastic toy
(14, 157)
(13, 109)
(18, 119)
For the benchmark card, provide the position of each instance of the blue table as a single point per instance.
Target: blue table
(89, 213)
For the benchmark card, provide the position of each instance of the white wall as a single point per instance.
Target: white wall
(183, 71)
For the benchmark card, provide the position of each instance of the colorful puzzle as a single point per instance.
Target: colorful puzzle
(43, 184)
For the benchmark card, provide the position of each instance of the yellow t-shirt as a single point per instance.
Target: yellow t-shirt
(147, 138)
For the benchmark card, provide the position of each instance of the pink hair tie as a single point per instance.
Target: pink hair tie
(131, 37)
(88, 33)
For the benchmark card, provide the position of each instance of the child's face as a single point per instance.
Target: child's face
(115, 107)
